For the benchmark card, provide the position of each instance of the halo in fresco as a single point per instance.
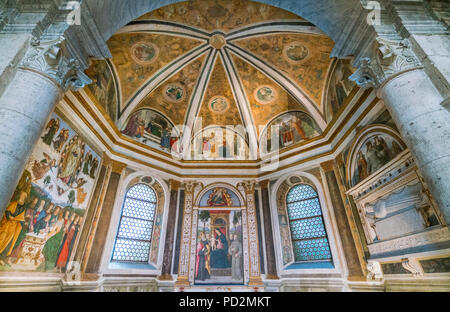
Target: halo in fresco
(295, 52)
(174, 93)
(144, 52)
(265, 94)
(219, 104)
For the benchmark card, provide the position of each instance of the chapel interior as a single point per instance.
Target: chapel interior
(224, 145)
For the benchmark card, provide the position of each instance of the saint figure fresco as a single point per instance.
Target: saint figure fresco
(41, 225)
(374, 153)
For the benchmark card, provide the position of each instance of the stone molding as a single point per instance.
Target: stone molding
(420, 239)
(50, 59)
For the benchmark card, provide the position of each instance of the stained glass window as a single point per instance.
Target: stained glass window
(136, 225)
(309, 237)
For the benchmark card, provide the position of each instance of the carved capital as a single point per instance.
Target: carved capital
(189, 186)
(247, 186)
(391, 58)
(51, 59)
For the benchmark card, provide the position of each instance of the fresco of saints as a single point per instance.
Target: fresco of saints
(11, 224)
(235, 252)
(362, 166)
(52, 126)
(202, 268)
(219, 197)
(60, 140)
(70, 164)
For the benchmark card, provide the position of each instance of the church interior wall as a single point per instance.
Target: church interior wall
(384, 229)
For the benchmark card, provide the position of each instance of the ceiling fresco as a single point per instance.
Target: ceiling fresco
(266, 98)
(172, 97)
(224, 15)
(219, 106)
(303, 57)
(241, 76)
(138, 56)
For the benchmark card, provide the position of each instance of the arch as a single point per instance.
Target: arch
(157, 183)
(288, 181)
(329, 15)
(308, 234)
(296, 135)
(134, 236)
(365, 136)
(205, 193)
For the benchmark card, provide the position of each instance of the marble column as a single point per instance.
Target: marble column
(43, 76)
(170, 232)
(254, 268)
(415, 105)
(268, 234)
(353, 262)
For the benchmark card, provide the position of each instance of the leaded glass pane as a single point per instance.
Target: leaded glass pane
(136, 225)
(138, 209)
(300, 192)
(131, 250)
(143, 192)
(307, 228)
(135, 229)
(304, 209)
(314, 249)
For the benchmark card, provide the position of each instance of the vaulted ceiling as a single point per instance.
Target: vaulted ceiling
(229, 62)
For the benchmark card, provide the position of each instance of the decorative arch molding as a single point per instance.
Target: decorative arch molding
(228, 186)
(361, 137)
(280, 190)
(156, 254)
(327, 15)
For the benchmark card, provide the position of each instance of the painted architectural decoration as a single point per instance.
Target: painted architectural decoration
(103, 87)
(219, 250)
(287, 254)
(376, 151)
(304, 58)
(220, 197)
(339, 87)
(41, 225)
(219, 14)
(154, 129)
(288, 129)
(219, 143)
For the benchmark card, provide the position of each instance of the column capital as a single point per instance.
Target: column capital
(247, 186)
(390, 59)
(189, 186)
(51, 59)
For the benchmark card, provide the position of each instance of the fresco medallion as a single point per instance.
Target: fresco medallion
(144, 52)
(174, 93)
(295, 52)
(265, 94)
(219, 104)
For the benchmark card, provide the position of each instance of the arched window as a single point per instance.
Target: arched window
(134, 236)
(309, 237)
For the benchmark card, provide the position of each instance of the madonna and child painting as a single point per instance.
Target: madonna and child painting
(219, 241)
(41, 225)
